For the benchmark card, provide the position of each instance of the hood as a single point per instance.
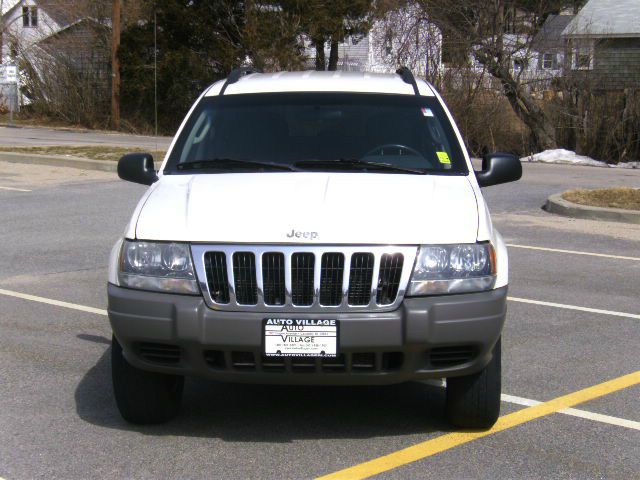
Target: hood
(310, 207)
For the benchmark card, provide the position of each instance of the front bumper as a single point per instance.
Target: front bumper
(426, 337)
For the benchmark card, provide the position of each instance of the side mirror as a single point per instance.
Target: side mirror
(499, 168)
(137, 168)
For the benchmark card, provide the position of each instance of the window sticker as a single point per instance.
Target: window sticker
(444, 158)
(427, 112)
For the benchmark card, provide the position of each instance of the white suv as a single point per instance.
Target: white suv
(311, 228)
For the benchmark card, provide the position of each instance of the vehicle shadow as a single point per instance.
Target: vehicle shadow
(268, 413)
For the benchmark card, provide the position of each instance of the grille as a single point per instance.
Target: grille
(273, 278)
(302, 278)
(389, 278)
(310, 279)
(360, 278)
(244, 274)
(331, 273)
(360, 362)
(451, 356)
(159, 353)
(216, 267)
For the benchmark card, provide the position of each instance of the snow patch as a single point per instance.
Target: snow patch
(571, 158)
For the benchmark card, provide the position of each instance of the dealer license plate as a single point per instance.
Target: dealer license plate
(287, 337)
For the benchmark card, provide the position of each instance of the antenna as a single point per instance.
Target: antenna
(155, 71)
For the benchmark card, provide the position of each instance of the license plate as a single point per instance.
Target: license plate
(286, 337)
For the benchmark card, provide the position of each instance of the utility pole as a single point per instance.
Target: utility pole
(115, 66)
(1, 29)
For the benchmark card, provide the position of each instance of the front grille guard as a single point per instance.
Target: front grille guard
(199, 253)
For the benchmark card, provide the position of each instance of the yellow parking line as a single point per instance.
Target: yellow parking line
(573, 252)
(451, 440)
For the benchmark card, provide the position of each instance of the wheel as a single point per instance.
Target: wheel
(473, 401)
(143, 397)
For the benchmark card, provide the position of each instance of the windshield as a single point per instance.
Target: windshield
(318, 132)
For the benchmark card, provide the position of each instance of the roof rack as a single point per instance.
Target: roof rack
(236, 74)
(408, 77)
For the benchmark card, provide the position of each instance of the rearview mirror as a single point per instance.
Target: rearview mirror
(137, 168)
(499, 168)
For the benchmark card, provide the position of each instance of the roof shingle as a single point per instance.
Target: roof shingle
(606, 18)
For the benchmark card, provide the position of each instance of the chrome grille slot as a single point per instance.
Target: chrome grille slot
(302, 288)
(389, 278)
(360, 276)
(331, 273)
(218, 283)
(273, 278)
(281, 279)
(244, 274)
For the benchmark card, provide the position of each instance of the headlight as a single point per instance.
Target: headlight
(439, 269)
(165, 267)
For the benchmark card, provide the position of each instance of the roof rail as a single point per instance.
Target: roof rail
(408, 77)
(236, 74)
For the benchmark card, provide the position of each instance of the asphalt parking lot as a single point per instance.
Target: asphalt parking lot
(573, 324)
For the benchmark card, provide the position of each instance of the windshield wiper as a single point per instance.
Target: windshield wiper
(356, 163)
(226, 163)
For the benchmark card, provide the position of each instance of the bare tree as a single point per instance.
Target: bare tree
(404, 36)
(480, 28)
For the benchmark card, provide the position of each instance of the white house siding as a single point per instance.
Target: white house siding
(21, 37)
(21, 40)
(415, 43)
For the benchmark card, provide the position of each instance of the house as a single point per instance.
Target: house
(549, 46)
(40, 33)
(603, 44)
(26, 22)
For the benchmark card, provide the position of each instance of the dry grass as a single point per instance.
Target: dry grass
(626, 198)
(90, 152)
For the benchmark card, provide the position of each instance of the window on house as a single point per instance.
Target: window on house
(388, 44)
(582, 58)
(547, 61)
(30, 16)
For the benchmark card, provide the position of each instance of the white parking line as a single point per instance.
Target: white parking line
(50, 301)
(14, 190)
(99, 311)
(573, 252)
(574, 307)
(574, 412)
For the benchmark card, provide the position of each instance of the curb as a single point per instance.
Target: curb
(44, 127)
(558, 205)
(60, 161)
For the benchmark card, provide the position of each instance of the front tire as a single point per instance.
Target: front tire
(143, 397)
(473, 401)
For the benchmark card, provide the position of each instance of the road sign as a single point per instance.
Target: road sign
(11, 74)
